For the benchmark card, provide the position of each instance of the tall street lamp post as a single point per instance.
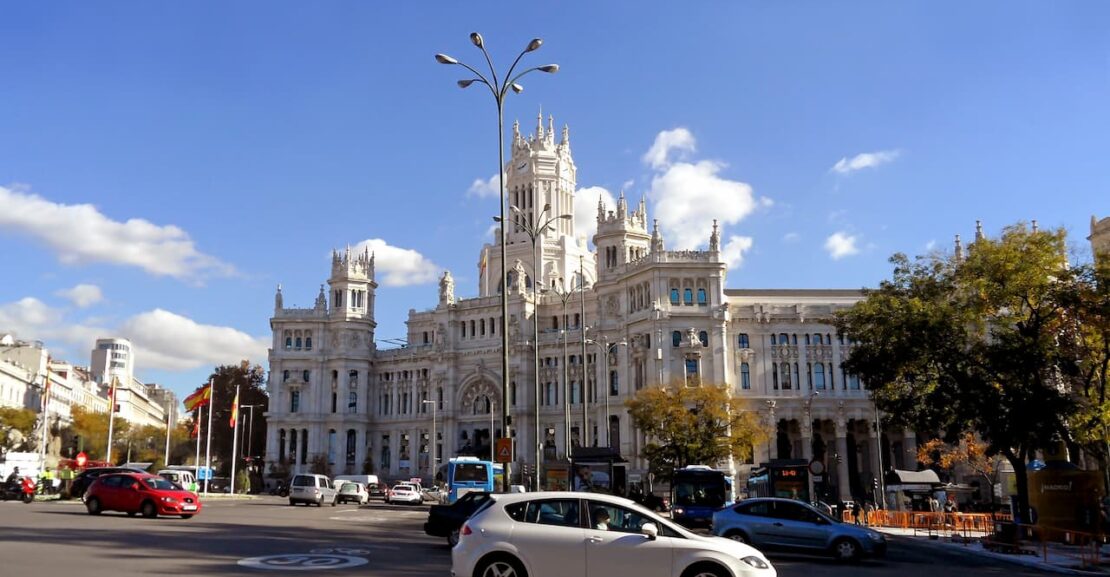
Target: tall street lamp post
(565, 296)
(535, 234)
(250, 427)
(605, 345)
(499, 89)
(432, 465)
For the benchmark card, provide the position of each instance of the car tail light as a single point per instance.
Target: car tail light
(465, 530)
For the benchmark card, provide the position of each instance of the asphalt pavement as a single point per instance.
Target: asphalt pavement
(268, 536)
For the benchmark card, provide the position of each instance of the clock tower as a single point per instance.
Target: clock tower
(540, 172)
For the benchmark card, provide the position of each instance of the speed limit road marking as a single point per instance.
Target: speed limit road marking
(302, 562)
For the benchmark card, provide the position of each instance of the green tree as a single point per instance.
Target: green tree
(92, 427)
(972, 344)
(252, 391)
(693, 425)
(17, 428)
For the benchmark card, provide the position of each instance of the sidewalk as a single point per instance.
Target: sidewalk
(1059, 559)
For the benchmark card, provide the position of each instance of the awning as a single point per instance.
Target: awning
(900, 477)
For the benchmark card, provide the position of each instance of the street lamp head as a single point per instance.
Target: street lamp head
(565, 216)
(534, 45)
(466, 83)
(445, 59)
(546, 206)
(516, 87)
(476, 39)
(549, 68)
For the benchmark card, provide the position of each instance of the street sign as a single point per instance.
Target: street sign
(816, 467)
(504, 450)
(82, 458)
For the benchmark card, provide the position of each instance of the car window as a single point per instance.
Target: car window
(787, 511)
(112, 481)
(619, 518)
(560, 512)
(161, 484)
(759, 509)
(349, 488)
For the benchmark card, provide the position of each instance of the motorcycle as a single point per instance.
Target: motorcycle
(23, 490)
(281, 490)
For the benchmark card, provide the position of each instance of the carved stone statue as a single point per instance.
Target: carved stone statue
(447, 289)
(518, 277)
(692, 336)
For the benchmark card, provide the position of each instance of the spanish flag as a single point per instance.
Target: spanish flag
(199, 398)
(482, 264)
(234, 410)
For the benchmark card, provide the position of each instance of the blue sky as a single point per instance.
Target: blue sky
(164, 166)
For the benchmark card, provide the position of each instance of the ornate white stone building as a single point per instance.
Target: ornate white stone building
(334, 394)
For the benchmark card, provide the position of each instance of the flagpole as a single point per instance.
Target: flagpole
(208, 443)
(111, 416)
(196, 463)
(45, 418)
(234, 436)
(169, 419)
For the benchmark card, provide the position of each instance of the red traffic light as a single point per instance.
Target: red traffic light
(82, 458)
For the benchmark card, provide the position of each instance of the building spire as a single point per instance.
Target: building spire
(978, 230)
(715, 238)
(959, 253)
(656, 238)
(600, 209)
(551, 127)
(539, 124)
(622, 206)
(278, 303)
(1034, 226)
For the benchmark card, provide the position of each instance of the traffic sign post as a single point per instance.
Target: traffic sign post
(504, 450)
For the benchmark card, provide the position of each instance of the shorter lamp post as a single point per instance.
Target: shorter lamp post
(605, 345)
(432, 441)
(250, 427)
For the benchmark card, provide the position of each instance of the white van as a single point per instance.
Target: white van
(309, 489)
(183, 478)
(366, 480)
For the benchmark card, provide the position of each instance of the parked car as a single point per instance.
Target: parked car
(134, 493)
(445, 520)
(352, 492)
(555, 534)
(85, 478)
(785, 524)
(405, 493)
(377, 490)
(310, 488)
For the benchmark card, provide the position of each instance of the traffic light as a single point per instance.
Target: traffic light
(839, 459)
(875, 485)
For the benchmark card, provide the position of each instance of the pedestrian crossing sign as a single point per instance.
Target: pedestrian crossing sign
(504, 450)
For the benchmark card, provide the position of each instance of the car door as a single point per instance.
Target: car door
(107, 490)
(130, 493)
(796, 526)
(549, 537)
(620, 548)
(756, 520)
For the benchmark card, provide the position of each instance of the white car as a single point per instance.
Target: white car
(352, 492)
(312, 489)
(555, 534)
(404, 493)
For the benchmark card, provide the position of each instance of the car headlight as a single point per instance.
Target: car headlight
(876, 536)
(169, 500)
(679, 511)
(756, 562)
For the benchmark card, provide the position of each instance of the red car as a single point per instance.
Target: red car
(134, 493)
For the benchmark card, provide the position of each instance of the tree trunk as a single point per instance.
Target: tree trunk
(1017, 461)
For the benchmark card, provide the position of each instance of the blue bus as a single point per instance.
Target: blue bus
(462, 475)
(696, 492)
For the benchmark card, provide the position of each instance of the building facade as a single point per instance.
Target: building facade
(648, 315)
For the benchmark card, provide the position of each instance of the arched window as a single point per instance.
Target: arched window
(794, 338)
(807, 338)
(614, 384)
(352, 402)
(745, 343)
(331, 446)
(555, 322)
(350, 447)
(288, 340)
(701, 296)
(482, 327)
(298, 345)
(473, 333)
(676, 338)
(293, 445)
(784, 371)
(774, 341)
(688, 296)
(819, 376)
(308, 343)
(305, 375)
(745, 376)
(674, 296)
(784, 339)
(703, 336)
(285, 375)
(463, 329)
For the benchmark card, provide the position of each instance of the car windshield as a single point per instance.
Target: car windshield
(698, 492)
(304, 481)
(161, 484)
(349, 488)
(402, 489)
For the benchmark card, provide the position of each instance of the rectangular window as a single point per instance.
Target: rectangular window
(745, 376)
(674, 296)
(294, 401)
(744, 341)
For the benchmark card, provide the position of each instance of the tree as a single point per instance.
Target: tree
(693, 425)
(17, 427)
(92, 427)
(252, 391)
(968, 452)
(972, 344)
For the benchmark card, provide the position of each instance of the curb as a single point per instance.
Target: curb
(1011, 560)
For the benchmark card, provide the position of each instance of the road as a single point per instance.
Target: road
(60, 538)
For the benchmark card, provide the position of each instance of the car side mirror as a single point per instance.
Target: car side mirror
(649, 530)
(134, 486)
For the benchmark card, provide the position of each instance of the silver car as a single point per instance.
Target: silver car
(309, 489)
(785, 524)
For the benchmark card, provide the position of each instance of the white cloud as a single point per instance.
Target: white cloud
(162, 339)
(791, 237)
(585, 209)
(667, 141)
(484, 188)
(400, 266)
(82, 295)
(840, 245)
(734, 249)
(865, 160)
(169, 341)
(80, 234)
(687, 197)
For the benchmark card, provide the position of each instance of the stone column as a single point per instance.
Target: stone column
(842, 482)
(909, 445)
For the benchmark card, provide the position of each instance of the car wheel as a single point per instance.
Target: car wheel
(333, 502)
(705, 570)
(453, 538)
(500, 567)
(320, 501)
(845, 550)
(739, 537)
(148, 510)
(292, 503)
(93, 506)
(186, 516)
